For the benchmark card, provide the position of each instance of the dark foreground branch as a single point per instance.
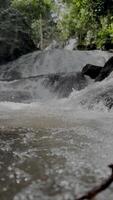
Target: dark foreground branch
(96, 190)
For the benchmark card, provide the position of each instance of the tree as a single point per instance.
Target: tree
(4, 4)
(38, 14)
(32, 9)
(85, 19)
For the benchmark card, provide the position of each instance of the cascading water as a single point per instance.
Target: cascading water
(55, 127)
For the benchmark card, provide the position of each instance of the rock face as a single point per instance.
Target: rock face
(91, 70)
(42, 87)
(106, 70)
(50, 62)
(97, 72)
(15, 38)
(49, 74)
(63, 83)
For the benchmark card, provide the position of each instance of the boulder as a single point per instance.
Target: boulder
(106, 70)
(91, 70)
(15, 38)
(63, 84)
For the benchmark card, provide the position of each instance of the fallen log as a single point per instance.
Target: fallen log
(90, 195)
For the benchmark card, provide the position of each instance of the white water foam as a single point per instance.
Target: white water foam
(81, 105)
(54, 61)
(87, 103)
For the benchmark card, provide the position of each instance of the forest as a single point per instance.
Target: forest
(90, 22)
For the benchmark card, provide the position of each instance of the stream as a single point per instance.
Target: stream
(51, 147)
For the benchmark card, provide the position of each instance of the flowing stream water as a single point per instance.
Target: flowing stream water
(55, 148)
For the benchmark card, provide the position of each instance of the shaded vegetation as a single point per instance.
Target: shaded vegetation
(89, 21)
(39, 16)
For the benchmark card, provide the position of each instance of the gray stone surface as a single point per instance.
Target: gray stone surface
(50, 62)
(106, 70)
(91, 70)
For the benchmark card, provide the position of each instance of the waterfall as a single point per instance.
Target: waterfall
(56, 136)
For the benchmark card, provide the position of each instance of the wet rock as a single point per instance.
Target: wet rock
(15, 96)
(41, 87)
(99, 97)
(63, 84)
(106, 70)
(15, 38)
(91, 70)
(12, 75)
(52, 61)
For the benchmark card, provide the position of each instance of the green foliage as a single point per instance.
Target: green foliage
(105, 32)
(32, 9)
(78, 20)
(89, 20)
(49, 31)
(38, 15)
